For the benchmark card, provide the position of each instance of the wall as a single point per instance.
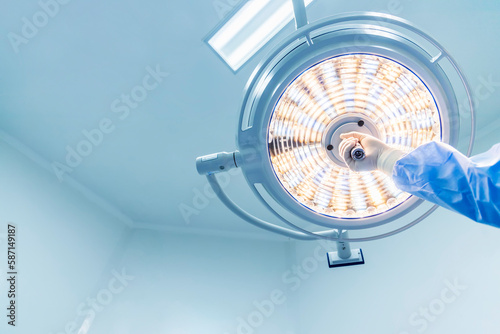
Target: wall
(81, 270)
(65, 246)
(196, 284)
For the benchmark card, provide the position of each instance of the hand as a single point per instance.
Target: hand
(378, 154)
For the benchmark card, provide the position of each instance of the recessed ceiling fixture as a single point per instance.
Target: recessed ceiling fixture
(365, 72)
(251, 26)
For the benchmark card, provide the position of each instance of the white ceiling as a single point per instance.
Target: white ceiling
(64, 80)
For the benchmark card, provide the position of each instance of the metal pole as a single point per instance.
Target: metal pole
(299, 11)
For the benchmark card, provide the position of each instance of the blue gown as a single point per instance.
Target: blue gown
(440, 174)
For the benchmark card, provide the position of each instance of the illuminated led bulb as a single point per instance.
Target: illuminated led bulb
(373, 88)
(328, 211)
(382, 207)
(391, 202)
(436, 129)
(371, 210)
(350, 212)
(402, 197)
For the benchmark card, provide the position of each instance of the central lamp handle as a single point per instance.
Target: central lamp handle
(358, 152)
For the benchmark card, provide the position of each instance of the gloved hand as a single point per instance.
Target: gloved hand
(378, 154)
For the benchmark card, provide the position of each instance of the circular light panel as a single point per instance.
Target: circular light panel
(355, 92)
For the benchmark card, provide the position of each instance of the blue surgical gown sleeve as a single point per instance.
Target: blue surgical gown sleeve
(440, 174)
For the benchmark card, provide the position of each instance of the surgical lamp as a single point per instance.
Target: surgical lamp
(366, 72)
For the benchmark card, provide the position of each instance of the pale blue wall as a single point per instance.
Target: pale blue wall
(67, 247)
(198, 284)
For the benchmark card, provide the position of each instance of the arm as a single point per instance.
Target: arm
(438, 173)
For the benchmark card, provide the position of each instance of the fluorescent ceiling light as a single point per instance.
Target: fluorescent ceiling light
(249, 29)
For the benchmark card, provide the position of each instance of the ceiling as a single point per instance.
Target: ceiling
(70, 76)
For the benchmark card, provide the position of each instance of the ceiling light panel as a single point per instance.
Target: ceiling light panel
(249, 29)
